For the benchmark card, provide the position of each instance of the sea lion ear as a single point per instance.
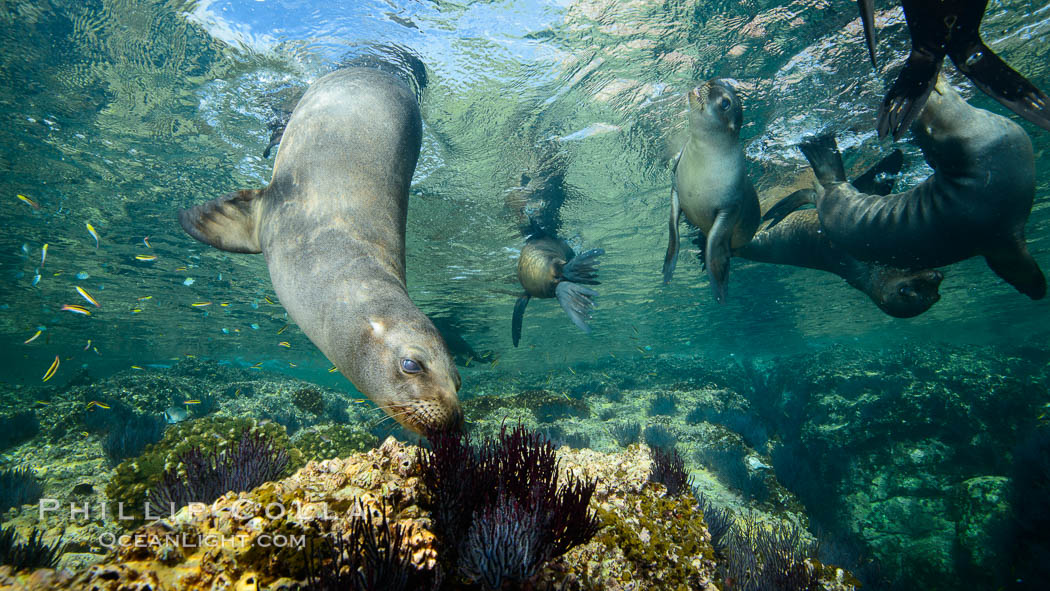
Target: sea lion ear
(228, 223)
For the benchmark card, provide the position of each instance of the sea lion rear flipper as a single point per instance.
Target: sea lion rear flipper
(671, 258)
(577, 302)
(908, 94)
(515, 322)
(228, 223)
(1020, 270)
(583, 268)
(824, 157)
(889, 167)
(788, 205)
(998, 80)
(867, 16)
(717, 253)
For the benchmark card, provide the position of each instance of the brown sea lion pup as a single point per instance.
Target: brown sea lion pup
(331, 224)
(799, 241)
(711, 186)
(976, 202)
(548, 268)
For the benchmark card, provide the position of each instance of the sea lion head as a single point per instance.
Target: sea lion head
(905, 294)
(408, 372)
(714, 107)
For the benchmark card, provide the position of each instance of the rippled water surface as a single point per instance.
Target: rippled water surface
(118, 113)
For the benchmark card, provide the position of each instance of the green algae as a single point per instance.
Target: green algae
(333, 441)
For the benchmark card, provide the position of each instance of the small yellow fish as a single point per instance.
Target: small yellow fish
(333, 369)
(145, 240)
(77, 309)
(95, 349)
(237, 392)
(191, 401)
(94, 234)
(85, 433)
(224, 304)
(467, 364)
(43, 402)
(200, 304)
(28, 201)
(43, 255)
(98, 404)
(494, 363)
(180, 268)
(144, 298)
(285, 344)
(136, 310)
(572, 370)
(190, 356)
(88, 345)
(282, 329)
(51, 370)
(33, 338)
(257, 365)
(87, 296)
(290, 364)
(145, 257)
(136, 367)
(268, 300)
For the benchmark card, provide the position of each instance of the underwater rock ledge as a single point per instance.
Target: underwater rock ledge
(648, 538)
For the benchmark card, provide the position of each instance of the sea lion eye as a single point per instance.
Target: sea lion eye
(725, 104)
(906, 291)
(411, 366)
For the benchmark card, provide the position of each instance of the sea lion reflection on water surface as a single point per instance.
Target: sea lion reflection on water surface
(331, 224)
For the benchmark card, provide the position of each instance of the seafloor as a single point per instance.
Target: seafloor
(905, 464)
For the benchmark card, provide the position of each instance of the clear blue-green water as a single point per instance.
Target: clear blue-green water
(118, 113)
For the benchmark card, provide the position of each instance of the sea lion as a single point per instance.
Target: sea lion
(952, 28)
(976, 202)
(711, 185)
(549, 268)
(331, 224)
(799, 241)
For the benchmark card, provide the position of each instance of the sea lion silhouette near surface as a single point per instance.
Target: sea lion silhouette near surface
(949, 28)
(548, 268)
(976, 202)
(331, 224)
(798, 241)
(711, 186)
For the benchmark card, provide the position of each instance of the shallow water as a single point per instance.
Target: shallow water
(119, 113)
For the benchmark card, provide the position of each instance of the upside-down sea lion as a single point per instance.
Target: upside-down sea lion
(976, 202)
(331, 224)
(799, 241)
(549, 268)
(711, 185)
(952, 28)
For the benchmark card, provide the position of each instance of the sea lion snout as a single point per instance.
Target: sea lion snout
(911, 294)
(715, 101)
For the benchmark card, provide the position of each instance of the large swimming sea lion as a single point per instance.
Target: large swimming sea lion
(976, 202)
(549, 268)
(952, 28)
(331, 224)
(799, 241)
(711, 186)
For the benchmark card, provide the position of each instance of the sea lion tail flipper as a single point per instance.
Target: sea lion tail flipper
(786, 206)
(577, 301)
(671, 258)
(908, 94)
(717, 253)
(867, 16)
(1001, 82)
(583, 268)
(880, 178)
(519, 314)
(228, 223)
(823, 155)
(1020, 270)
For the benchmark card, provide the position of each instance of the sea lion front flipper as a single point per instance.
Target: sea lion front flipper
(577, 302)
(824, 157)
(880, 178)
(671, 258)
(229, 223)
(867, 16)
(515, 322)
(908, 94)
(583, 268)
(1020, 270)
(717, 253)
(998, 80)
(788, 205)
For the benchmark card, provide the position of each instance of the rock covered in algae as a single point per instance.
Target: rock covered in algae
(243, 540)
